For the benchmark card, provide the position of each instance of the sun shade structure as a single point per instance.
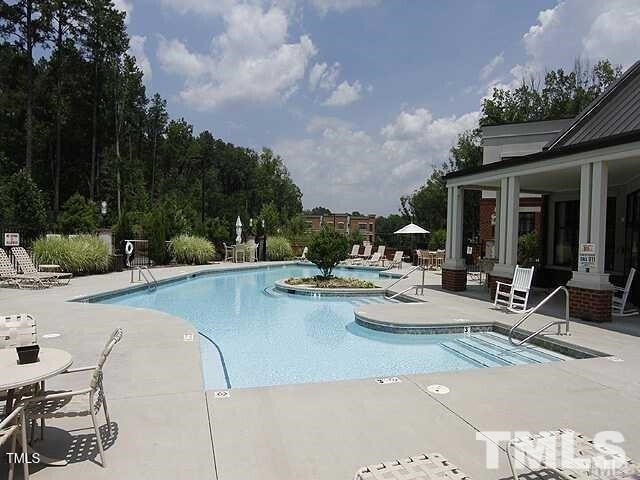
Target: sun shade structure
(411, 228)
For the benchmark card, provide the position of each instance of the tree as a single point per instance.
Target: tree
(157, 119)
(27, 23)
(103, 35)
(328, 248)
(24, 206)
(78, 215)
(561, 95)
(320, 211)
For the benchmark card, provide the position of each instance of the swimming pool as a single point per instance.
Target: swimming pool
(269, 339)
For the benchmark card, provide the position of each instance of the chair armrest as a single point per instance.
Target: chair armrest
(618, 289)
(505, 284)
(80, 369)
(9, 419)
(55, 396)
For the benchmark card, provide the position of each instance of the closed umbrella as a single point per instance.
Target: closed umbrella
(238, 231)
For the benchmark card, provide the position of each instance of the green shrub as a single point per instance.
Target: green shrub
(438, 239)
(192, 250)
(78, 215)
(278, 248)
(81, 255)
(328, 248)
(23, 206)
(529, 250)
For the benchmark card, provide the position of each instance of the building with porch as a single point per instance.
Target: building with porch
(583, 182)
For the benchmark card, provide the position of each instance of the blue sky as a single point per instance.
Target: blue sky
(360, 97)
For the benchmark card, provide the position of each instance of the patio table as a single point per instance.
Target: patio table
(51, 362)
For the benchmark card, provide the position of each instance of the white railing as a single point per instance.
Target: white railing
(558, 323)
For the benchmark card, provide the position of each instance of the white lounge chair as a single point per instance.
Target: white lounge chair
(10, 427)
(28, 268)
(303, 257)
(51, 404)
(9, 274)
(620, 297)
(375, 259)
(430, 466)
(587, 460)
(354, 251)
(361, 258)
(396, 261)
(381, 249)
(514, 296)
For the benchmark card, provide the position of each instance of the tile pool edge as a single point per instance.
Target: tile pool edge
(105, 295)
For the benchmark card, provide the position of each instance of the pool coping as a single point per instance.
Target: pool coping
(461, 325)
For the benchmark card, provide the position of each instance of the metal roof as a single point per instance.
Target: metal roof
(615, 112)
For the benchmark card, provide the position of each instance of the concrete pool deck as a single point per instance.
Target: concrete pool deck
(168, 427)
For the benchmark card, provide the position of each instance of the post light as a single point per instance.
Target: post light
(103, 210)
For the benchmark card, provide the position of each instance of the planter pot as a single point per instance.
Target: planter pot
(28, 354)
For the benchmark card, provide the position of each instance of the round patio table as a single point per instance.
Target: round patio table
(51, 362)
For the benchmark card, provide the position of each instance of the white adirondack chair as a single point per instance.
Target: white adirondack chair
(620, 297)
(515, 295)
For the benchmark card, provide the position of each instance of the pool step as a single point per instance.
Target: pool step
(481, 359)
(529, 351)
(487, 348)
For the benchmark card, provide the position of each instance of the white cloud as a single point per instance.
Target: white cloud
(490, 67)
(324, 76)
(344, 94)
(136, 49)
(324, 6)
(345, 168)
(124, 6)
(251, 61)
(578, 29)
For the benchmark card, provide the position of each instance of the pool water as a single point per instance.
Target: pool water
(274, 339)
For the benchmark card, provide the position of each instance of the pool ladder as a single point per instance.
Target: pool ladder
(402, 278)
(152, 283)
(531, 311)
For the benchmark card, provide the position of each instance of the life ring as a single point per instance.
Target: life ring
(128, 248)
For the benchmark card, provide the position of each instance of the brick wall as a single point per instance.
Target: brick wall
(454, 280)
(592, 305)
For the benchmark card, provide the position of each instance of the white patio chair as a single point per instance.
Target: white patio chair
(28, 268)
(429, 466)
(50, 404)
(228, 253)
(381, 249)
(354, 251)
(18, 331)
(396, 261)
(10, 427)
(514, 296)
(620, 297)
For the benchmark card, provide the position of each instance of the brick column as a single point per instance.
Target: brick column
(592, 305)
(454, 280)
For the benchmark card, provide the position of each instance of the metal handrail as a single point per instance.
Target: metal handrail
(399, 293)
(531, 311)
(404, 276)
(141, 274)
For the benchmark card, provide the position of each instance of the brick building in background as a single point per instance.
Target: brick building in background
(344, 223)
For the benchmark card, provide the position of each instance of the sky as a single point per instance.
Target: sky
(360, 98)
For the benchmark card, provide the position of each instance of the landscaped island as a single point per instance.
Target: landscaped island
(330, 282)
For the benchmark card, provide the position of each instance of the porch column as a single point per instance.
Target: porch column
(590, 291)
(454, 270)
(496, 236)
(508, 232)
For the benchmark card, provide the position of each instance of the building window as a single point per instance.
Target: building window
(309, 225)
(567, 221)
(340, 225)
(371, 227)
(526, 223)
(362, 226)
